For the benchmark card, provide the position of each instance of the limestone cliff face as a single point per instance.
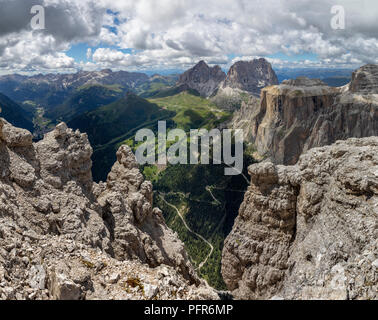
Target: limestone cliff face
(302, 114)
(64, 237)
(309, 231)
(247, 118)
(203, 78)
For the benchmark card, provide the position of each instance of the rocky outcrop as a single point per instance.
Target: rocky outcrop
(365, 80)
(308, 231)
(64, 237)
(203, 78)
(302, 114)
(250, 76)
(138, 230)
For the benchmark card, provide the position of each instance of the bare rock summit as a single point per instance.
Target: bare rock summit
(203, 78)
(250, 76)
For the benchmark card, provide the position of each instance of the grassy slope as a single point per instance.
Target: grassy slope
(192, 111)
(153, 87)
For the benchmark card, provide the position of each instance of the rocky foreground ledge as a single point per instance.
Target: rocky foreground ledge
(62, 236)
(309, 231)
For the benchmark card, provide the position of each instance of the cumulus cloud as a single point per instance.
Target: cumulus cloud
(66, 22)
(176, 34)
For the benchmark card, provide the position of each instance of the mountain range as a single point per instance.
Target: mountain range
(51, 90)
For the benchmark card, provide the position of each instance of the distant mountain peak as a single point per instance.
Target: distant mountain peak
(108, 71)
(251, 76)
(202, 62)
(203, 78)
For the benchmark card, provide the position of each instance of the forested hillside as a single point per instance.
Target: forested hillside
(13, 113)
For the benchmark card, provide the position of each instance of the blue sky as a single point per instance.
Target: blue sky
(294, 57)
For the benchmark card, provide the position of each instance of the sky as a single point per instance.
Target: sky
(148, 35)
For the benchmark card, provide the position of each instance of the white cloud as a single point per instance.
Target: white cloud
(176, 34)
(109, 55)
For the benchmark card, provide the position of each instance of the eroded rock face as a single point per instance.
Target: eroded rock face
(251, 76)
(62, 236)
(138, 229)
(309, 231)
(203, 78)
(365, 80)
(302, 114)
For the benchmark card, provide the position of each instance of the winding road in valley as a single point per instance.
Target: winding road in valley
(216, 202)
(208, 189)
(191, 231)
